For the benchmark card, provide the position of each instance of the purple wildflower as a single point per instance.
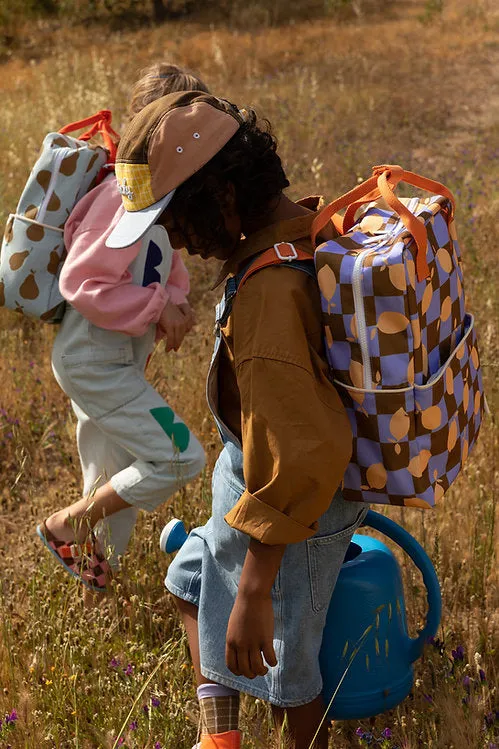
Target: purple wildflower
(365, 736)
(490, 719)
(133, 725)
(157, 745)
(114, 663)
(121, 741)
(428, 698)
(481, 674)
(466, 683)
(458, 653)
(128, 671)
(9, 435)
(11, 718)
(155, 702)
(387, 733)
(145, 708)
(359, 731)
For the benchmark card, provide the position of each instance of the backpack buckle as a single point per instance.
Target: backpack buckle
(281, 247)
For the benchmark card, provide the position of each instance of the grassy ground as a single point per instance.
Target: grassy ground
(385, 89)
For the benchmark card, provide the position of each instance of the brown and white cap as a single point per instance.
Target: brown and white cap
(166, 143)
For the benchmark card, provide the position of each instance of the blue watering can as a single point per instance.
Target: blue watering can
(366, 655)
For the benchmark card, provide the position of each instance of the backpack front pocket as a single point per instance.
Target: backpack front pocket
(409, 444)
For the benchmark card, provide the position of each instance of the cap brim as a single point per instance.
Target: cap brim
(134, 224)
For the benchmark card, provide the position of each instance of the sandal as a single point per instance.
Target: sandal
(83, 561)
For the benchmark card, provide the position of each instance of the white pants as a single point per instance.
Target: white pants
(126, 432)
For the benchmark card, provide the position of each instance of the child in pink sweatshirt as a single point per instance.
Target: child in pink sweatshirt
(135, 452)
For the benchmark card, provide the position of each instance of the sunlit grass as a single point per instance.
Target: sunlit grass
(341, 99)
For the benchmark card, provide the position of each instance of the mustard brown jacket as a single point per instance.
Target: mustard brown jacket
(275, 395)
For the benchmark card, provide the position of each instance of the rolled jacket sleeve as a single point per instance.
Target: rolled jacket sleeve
(296, 437)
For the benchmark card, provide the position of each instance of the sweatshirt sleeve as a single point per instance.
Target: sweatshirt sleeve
(296, 437)
(95, 279)
(177, 287)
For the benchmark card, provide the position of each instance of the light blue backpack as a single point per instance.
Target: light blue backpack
(33, 245)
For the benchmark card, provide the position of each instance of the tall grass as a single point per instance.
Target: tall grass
(341, 98)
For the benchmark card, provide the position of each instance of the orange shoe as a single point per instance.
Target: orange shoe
(228, 740)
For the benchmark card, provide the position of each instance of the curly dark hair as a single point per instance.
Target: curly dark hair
(250, 163)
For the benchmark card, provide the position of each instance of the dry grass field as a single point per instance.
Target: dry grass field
(412, 85)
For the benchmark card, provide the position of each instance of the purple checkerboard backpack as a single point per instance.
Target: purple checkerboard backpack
(402, 349)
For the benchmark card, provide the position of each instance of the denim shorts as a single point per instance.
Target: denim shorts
(207, 569)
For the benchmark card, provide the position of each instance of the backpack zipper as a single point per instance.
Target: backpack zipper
(50, 188)
(358, 298)
(360, 314)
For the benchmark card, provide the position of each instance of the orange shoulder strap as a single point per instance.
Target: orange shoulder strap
(280, 253)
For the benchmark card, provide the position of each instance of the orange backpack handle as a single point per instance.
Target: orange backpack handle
(101, 123)
(381, 184)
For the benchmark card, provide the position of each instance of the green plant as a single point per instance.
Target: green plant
(433, 9)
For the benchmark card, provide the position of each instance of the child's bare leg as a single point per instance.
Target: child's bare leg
(302, 724)
(189, 616)
(104, 502)
(302, 721)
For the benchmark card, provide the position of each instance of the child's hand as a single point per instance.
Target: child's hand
(250, 634)
(175, 321)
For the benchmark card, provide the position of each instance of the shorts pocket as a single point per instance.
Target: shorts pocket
(325, 555)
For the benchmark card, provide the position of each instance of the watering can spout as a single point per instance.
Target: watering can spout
(418, 555)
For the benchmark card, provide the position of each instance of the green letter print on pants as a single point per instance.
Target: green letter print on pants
(178, 432)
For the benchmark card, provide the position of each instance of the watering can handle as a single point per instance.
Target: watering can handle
(422, 561)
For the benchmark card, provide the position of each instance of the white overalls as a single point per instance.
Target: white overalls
(126, 432)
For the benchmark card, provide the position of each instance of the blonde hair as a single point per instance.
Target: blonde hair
(159, 79)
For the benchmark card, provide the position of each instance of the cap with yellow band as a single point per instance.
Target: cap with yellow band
(166, 143)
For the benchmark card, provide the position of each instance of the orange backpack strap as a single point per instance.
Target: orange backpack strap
(382, 184)
(279, 254)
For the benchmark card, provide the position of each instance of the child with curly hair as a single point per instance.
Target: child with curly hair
(253, 585)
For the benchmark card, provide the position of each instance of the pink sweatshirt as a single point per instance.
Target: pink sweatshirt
(96, 281)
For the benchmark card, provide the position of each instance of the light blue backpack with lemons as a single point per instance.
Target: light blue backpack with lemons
(33, 244)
